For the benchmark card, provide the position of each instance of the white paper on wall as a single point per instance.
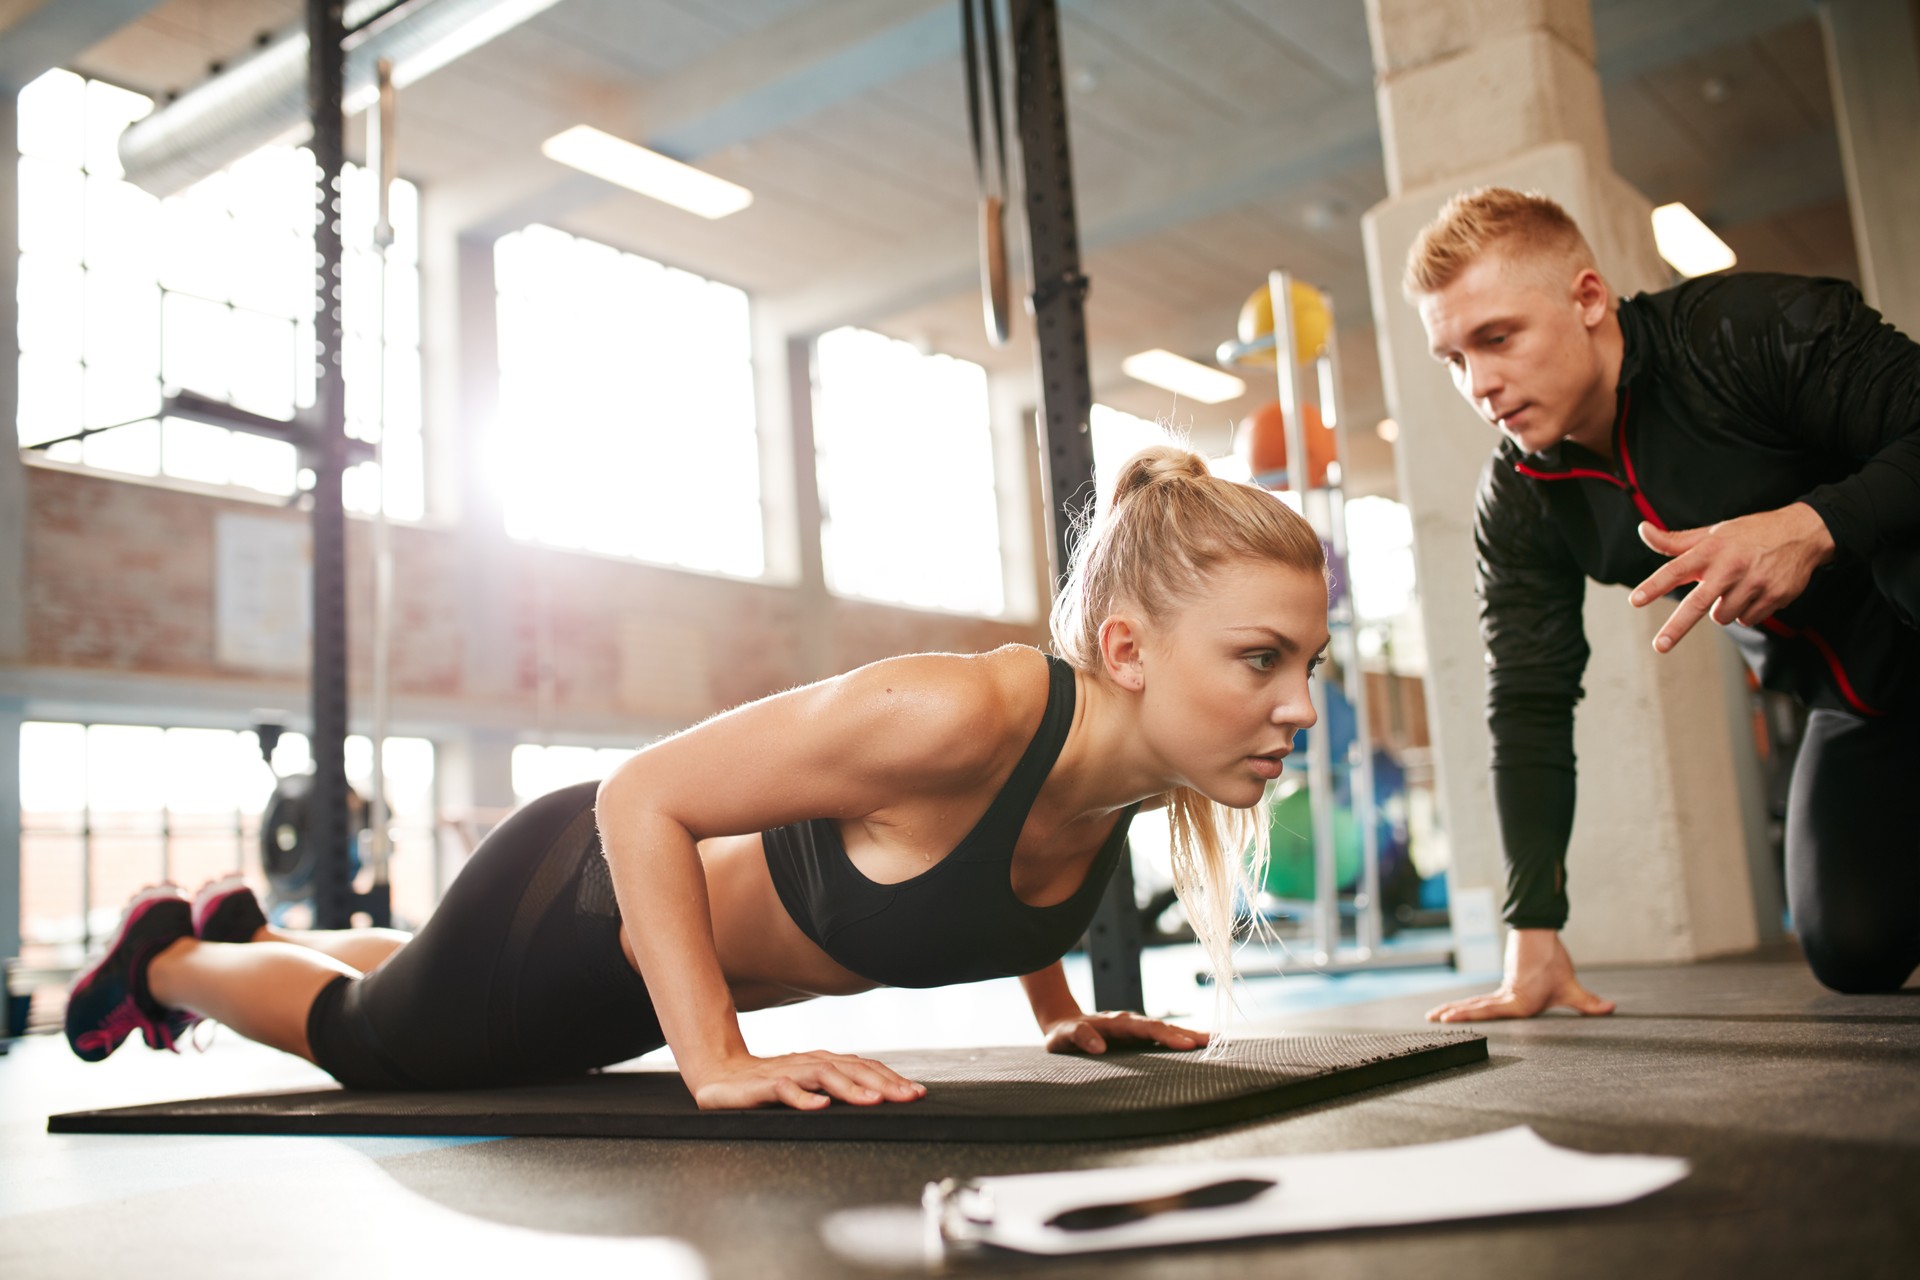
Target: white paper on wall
(263, 593)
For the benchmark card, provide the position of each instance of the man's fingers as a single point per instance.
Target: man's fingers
(1454, 1010)
(1485, 1010)
(1584, 1001)
(1740, 603)
(1669, 542)
(1690, 610)
(1671, 576)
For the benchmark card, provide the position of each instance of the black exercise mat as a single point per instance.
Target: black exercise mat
(973, 1095)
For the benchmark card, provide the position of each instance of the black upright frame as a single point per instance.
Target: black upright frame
(1066, 393)
(329, 826)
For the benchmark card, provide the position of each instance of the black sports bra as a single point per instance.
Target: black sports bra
(959, 920)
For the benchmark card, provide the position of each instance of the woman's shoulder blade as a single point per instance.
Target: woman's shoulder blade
(944, 714)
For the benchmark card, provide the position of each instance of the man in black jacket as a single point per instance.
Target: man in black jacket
(1755, 438)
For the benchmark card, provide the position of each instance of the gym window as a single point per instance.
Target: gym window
(909, 512)
(209, 291)
(108, 808)
(627, 423)
(539, 768)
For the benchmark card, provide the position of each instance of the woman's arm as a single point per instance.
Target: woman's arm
(1067, 1028)
(843, 749)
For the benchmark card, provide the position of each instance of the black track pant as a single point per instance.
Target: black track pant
(1853, 850)
(518, 975)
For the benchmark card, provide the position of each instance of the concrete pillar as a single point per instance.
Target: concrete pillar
(12, 715)
(1873, 69)
(1024, 538)
(789, 481)
(1478, 92)
(13, 475)
(460, 357)
(13, 523)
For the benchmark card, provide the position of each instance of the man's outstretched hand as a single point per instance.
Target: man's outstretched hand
(1746, 568)
(1539, 977)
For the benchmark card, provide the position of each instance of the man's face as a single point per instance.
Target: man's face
(1521, 349)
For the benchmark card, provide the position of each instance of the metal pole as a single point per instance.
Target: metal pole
(380, 160)
(1368, 931)
(1326, 889)
(1066, 395)
(332, 886)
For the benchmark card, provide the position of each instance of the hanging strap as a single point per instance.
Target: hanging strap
(991, 184)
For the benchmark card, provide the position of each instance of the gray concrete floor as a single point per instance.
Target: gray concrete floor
(1799, 1109)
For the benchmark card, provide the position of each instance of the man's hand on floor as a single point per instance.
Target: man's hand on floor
(1539, 977)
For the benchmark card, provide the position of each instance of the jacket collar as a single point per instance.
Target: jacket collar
(1636, 338)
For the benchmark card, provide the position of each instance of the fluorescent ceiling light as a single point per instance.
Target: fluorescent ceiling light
(1182, 376)
(1687, 244)
(648, 172)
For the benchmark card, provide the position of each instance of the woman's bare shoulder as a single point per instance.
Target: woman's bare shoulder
(949, 714)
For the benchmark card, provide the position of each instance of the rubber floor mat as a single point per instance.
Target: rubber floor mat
(973, 1095)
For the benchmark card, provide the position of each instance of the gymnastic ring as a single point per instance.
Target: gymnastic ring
(993, 270)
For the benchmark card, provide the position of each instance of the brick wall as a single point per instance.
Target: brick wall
(121, 578)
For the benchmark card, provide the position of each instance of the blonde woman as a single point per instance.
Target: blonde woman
(917, 822)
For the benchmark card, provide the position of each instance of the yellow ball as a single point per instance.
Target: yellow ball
(1311, 323)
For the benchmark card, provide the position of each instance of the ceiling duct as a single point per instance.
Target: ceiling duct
(263, 99)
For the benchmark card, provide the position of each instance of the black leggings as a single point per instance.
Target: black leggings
(1853, 850)
(518, 975)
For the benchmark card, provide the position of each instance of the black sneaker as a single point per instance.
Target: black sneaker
(226, 910)
(110, 1001)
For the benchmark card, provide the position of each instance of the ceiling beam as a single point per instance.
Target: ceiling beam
(793, 69)
(764, 81)
(1641, 37)
(770, 79)
(33, 41)
(1238, 170)
(1635, 37)
(1797, 175)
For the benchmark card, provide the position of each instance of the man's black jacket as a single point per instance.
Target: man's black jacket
(1738, 394)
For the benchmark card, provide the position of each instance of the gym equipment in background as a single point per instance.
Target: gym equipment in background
(1057, 303)
(1261, 441)
(291, 855)
(982, 55)
(1312, 327)
(1297, 318)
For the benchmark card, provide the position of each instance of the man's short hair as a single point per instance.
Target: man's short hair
(1524, 223)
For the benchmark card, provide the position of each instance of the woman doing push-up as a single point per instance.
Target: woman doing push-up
(917, 822)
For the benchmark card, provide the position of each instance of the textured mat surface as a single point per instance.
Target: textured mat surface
(973, 1095)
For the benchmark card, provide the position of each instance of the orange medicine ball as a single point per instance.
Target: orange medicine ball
(1262, 441)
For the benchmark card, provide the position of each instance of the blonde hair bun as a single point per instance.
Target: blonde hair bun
(1158, 463)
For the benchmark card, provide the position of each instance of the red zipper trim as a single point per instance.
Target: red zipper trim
(1526, 470)
(1632, 487)
(1819, 642)
(1626, 460)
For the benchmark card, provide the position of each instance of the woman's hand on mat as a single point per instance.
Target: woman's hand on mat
(1093, 1032)
(803, 1081)
(1539, 977)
